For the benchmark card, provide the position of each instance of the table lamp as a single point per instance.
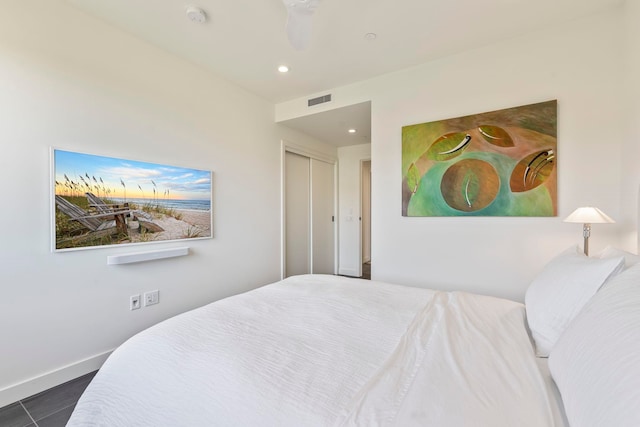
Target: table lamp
(588, 215)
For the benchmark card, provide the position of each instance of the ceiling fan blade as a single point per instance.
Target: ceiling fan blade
(299, 21)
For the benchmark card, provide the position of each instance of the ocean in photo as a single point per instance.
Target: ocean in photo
(197, 205)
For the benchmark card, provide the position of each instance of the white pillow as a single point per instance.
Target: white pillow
(596, 362)
(611, 252)
(560, 291)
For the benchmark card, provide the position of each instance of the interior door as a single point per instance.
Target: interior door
(322, 217)
(366, 211)
(297, 215)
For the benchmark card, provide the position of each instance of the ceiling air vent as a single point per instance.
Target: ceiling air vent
(319, 100)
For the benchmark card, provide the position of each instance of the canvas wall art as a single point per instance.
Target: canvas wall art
(499, 163)
(100, 201)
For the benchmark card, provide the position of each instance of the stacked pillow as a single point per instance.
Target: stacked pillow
(592, 336)
(596, 361)
(561, 290)
(629, 258)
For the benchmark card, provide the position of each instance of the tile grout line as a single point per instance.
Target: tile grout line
(59, 410)
(28, 413)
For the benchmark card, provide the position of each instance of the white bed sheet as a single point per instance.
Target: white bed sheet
(555, 399)
(465, 360)
(324, 350)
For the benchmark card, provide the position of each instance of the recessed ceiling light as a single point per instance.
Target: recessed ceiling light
(351, 131)
(195, 14)
(370, 36)
(283, 69)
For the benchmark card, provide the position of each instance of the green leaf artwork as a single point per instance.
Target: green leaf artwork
(498, 163)
(449, 146)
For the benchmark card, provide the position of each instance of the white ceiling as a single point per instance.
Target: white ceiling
(244, 41)
(333, 126)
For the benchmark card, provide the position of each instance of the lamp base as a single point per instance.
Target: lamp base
(586, 232)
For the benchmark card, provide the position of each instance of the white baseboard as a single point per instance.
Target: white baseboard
(35, 385)
(348, 272)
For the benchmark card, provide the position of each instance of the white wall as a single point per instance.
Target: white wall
(580, 65)
(349, 159)
(70, 81)
(631, 141)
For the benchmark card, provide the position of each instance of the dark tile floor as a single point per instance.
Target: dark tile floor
(51, 408)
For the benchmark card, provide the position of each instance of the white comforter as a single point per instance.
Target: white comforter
(326, 351)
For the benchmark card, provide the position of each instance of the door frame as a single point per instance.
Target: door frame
(288, 146)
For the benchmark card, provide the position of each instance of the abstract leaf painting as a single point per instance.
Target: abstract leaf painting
(499, 163)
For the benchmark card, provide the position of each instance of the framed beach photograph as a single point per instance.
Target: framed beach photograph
(103, 201)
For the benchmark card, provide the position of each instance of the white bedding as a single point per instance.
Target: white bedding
(322, 351)
(557, 406)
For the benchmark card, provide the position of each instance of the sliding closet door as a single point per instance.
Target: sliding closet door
(297, 214)
(309, 209)
(322, 211)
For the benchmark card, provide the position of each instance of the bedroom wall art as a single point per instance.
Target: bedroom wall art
(499, 163)
(101, 201)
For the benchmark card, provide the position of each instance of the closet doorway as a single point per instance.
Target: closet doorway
(309, 231)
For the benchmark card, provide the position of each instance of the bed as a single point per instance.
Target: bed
(320, 350)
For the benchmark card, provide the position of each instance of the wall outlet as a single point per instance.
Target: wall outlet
(134, 302)
(151, 298)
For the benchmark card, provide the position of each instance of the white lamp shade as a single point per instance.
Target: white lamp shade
(589, 215)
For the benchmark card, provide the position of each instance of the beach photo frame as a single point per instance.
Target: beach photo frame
(99, 201)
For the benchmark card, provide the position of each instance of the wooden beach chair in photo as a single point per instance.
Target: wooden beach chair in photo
(105, 224)
(101, 207)
(144, 219)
